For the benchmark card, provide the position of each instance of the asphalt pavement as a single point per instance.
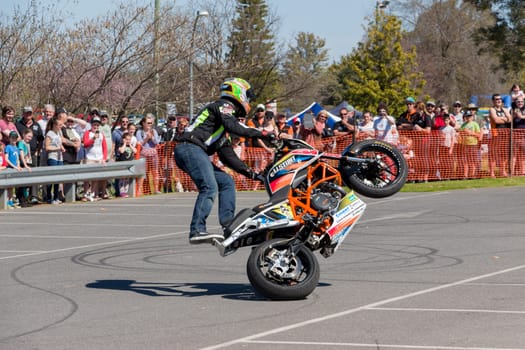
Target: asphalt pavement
(443, 270)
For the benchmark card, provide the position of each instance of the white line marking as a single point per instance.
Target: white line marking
(375, 346)
(361, 308)
(410, 309)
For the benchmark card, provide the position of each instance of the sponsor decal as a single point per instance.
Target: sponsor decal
(281, 182)
(227, 109)
(350, 209)
(341, 235)
(281, 166)
(286, 210)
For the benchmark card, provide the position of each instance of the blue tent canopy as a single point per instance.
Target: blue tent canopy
(314, 108)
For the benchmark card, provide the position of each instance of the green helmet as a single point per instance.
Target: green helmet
(239, 90)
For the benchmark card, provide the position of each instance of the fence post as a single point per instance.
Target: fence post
(3, 198)
(70, 191)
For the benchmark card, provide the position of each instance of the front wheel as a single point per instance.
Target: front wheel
(383, 172)
(277, 273)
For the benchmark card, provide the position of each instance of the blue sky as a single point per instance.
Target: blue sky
(339, 22)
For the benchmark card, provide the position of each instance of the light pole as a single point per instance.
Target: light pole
(192, 43)
(382, 4)
(156, 56)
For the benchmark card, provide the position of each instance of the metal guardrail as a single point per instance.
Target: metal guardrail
(69, 175)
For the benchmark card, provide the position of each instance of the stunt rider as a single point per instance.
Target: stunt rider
(205, 136)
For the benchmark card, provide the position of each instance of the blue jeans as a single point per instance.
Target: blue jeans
(52, 162)
(209, 180)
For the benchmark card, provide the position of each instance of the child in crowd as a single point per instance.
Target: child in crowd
(126, 151)
(132, 129)
(447, 142)
(405, 146)
(24, 146)
(12, 153)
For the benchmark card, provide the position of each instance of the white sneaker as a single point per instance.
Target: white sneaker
(90, 196)
(204, 237)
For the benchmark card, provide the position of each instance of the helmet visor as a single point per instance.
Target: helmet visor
(250, 95)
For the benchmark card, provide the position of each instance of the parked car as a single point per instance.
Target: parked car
(135, 118)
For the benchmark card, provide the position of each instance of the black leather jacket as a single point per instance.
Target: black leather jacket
(210, 130)
(211, 124)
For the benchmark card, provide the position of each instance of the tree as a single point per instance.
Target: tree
(23, 41)
(379, 69)
(506, 33)
(252, 49)
(304, 71)
(447, 54)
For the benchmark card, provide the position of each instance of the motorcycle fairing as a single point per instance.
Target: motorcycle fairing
(255, 229)
(281, 174)
(350, 210)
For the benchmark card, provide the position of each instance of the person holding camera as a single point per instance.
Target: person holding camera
(320, 130)
(126, 151)
(385, 126)
(96, 153)
(262, 120)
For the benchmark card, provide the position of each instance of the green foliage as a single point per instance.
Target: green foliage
(380, 69)
(304, 71)
(507, 34)
(252, 49)
(447, 54)
(308, 56)
(436, 186)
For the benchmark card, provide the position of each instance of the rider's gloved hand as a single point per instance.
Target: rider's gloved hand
(256, 176)
(269, 135)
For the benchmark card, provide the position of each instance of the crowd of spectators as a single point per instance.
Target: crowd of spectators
(56, 137)
(437, 143)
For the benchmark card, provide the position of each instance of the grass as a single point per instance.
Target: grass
(435, 186)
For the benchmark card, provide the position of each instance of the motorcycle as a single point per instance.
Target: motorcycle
(312, 206)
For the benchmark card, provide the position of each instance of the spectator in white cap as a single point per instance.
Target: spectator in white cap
(257, 121)
(96, 153)
(456, 117)
(28, 122)
(431, 108)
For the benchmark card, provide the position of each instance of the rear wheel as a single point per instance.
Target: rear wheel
(382, 175)
(279, 274)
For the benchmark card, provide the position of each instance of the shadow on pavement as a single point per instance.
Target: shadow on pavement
(153, 289)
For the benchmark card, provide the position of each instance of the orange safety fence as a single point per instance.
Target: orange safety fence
(430, 157)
